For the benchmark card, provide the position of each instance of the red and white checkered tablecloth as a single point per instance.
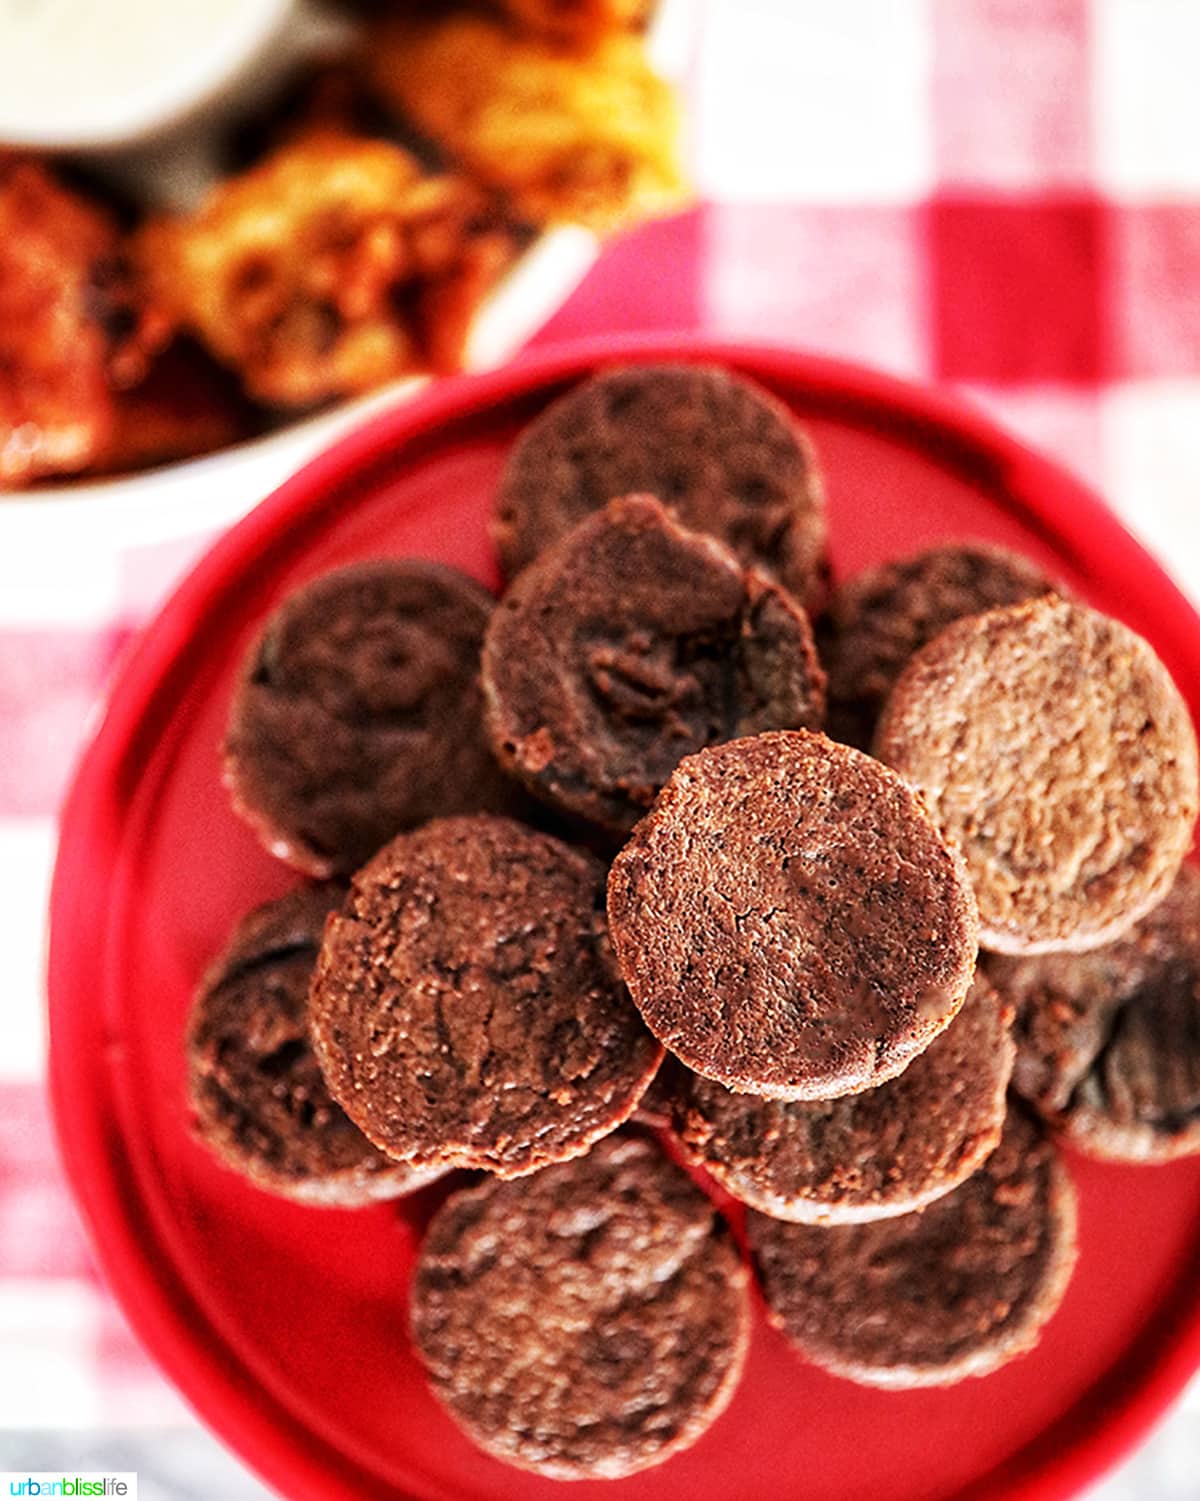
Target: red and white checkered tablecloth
(1001, 195)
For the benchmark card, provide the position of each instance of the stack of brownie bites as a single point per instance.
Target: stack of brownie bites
(854, 900)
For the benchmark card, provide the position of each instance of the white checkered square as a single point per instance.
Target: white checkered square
(814, 103)
(841, 280)
(1010, 91)
(1146, 104)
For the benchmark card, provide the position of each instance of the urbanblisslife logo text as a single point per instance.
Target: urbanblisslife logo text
(43, 1484)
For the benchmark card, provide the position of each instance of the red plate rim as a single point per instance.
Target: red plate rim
(153, 1298)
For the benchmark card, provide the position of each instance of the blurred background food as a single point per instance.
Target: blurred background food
(349, 217)
(334, 264)
(570, 134)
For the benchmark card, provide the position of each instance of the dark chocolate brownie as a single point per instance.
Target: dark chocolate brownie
(359, 713)
(718, 449)
(926, 1299)
(788, 919)
(587, 1322)
(466, 1008)
(879, 618)
(1050, 742)
(1108, 1042)
(867, 1156)
(257, 1096)
(629, 644)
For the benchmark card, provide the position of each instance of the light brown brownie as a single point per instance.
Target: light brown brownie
(588, 1322)
(865, 1156)
(928, 1299)
(467, 1010)
(879, 618)
(788, 919)
(258, 1100)
(1051, 745)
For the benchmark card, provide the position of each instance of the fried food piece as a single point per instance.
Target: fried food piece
(571, 22)
(588, 137)
(185, 406)
(332, 266)
(73, 326)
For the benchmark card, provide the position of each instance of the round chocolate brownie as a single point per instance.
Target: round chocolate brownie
(1108, 1042)
(1050, 742)
(927, 1299)
(789, 921)
(257, 1096)
(466, 1009)
(629, 644)
(587, 1322)
(879, 618)
(359, 713)
(719, 450)
(866, 1156)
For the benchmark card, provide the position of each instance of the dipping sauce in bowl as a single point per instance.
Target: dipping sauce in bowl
(77, 74)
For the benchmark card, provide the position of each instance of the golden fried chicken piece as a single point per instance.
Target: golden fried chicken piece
(333, 265)
(588, 137)
(72, 327)
(575, 22)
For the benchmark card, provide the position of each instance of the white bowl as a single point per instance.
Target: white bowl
(79, 75)
(196, 496)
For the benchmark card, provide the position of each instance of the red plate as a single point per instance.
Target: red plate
(285, 1325)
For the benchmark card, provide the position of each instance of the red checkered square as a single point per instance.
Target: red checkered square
(1016, 289)
(1011, 92)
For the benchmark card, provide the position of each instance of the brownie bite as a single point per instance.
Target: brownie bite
(880, 617)
(588, 1322)
(788, 919)
(1050, 743)
(928, 1299)
(258, 1100)
(1108, 1042)
(358, 713)
(467, 1010)
(626, 646)
(866, 1156)
(723, 453)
